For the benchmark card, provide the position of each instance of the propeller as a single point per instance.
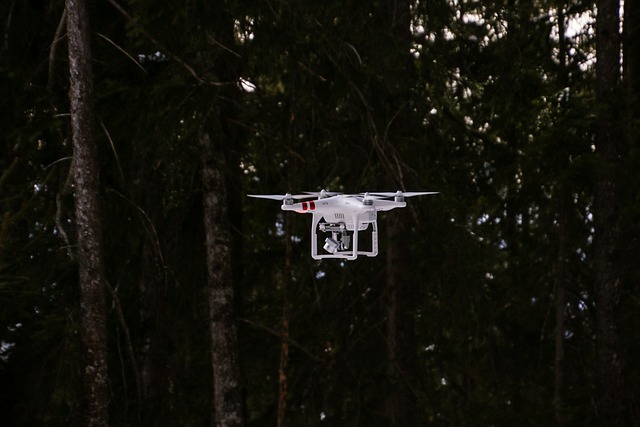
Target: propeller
(404, 194)
(368, 195)
(322, 193)
(287, 196)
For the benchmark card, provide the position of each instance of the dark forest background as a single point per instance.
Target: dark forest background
(509, 298)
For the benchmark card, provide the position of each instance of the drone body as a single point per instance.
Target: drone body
(343, 216)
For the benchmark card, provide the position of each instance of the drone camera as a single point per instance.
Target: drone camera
(331, 245)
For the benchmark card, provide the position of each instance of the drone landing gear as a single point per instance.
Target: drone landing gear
(343, 242)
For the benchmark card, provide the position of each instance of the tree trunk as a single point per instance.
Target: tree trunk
(632, 54)
(611, 394)
(560, 303)
(560, 270)
(632, 138)
(283, 383)
(87, 210)
(401, 339)
(227, 387)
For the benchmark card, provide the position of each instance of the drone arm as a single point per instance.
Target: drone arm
(387, 205)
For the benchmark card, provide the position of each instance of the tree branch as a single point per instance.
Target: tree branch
(172, 55)
(54, 48)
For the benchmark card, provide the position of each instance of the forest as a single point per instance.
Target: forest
(140, 286)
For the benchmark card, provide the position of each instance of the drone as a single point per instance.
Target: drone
(342, 217)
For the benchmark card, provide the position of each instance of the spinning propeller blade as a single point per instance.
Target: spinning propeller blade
(281, 196)
(322, 193)
(368, 195)
(405, 194)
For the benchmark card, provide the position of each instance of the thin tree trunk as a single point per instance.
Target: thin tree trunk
(560, 303)
(87, 211)
(401, 340)
(632, 56)
(284, 343)
(227, 387)
(611, 394)
(560, 270)
(632, 139)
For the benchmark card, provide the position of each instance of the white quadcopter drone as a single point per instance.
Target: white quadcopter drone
(344, 216)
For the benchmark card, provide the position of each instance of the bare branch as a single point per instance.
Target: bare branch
(7, 26)
(148, 220)
(112, 43)
(113, 148)
(54, 48)
(172, 55)
(117, 306)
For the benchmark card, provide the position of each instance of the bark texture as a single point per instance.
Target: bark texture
(611, 394)
(87, 212)
(401, 338)
(227, 387)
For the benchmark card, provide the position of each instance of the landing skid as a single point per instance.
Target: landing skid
(340, 241)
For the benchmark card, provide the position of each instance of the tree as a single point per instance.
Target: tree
(401, 307)
(611, 407)
(91, 273)
(228, 408)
